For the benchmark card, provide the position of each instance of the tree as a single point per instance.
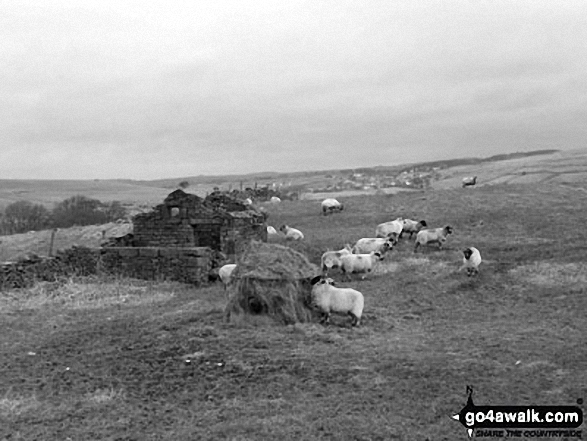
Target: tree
(78, 210)
(183, 185)
(23, 216)
(114, 211)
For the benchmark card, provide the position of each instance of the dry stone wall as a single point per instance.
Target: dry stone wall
(75, 261)
(189, 265)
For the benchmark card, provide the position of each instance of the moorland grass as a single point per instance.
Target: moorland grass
(164, 364)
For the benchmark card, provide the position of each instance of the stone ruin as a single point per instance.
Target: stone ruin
(186, 237)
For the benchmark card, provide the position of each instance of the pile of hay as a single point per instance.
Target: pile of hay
(272, 280)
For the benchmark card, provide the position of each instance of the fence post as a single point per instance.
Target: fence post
(52, 241)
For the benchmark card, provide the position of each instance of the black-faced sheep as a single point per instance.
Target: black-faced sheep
(328, 298)
(471, 261)
(469, 181)
(435, 235)
(369, 244)
(412, 227)
(331, 205)
(387, 228)
(333, 259)
(359, 263)
(225, 273)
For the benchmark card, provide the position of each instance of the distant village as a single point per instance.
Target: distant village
(419, 177)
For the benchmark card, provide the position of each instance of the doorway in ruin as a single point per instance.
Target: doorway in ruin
(207, 235)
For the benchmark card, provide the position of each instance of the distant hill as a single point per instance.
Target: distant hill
(141, 193)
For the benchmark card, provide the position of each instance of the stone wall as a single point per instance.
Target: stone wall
(235, 237)
(75, 261)
(189, 265)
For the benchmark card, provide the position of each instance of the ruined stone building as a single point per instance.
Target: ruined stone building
(181, 238)
(219, 221)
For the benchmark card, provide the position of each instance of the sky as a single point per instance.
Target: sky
(161, 89)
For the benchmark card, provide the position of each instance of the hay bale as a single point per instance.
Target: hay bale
(272, 280)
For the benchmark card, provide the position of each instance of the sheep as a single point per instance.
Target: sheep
(412, 226)
(332, 259)
(368, 244)
(271, 230)
(436, 235)
(359, 263)
(387, 228)
(275, 200)
(328, 298)
(331, 205)
(471, 261)
(291, 233)
(225, 273)
(469, 181)
(248, 201)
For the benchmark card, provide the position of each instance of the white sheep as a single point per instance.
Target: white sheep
(471, 261)
(328, 298)
(331, 205)
(469, 181)
(359, 263)
(291, 233)
(393, 228)
(332, 259)
(248, 201)
(275, 200)
(368, 244)
(435, 235)
(225, 273)
(271, 230)
(412, 226)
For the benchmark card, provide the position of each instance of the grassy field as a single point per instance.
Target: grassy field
(565, 167)
(131, 360)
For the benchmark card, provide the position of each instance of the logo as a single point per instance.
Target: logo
(520, 421)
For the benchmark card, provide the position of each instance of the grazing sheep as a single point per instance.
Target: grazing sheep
(469, 181)
(368, 244)
(248, 201)
(291, 233)
(471, 261)
(225, 273)
(412, 226)
(331, 205)
(436, 235)
(271, 230)
(328, 298)
(332, 259)
(275, 199)
(359, 263)
(387, 228)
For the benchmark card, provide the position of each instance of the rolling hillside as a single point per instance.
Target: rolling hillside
(559, 167)
(568, 167)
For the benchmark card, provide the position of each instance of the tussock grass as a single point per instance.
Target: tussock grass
(552, 274)
(85, 293)
(105, 396)
(14, 405)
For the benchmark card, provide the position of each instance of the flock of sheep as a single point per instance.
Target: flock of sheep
(361, 259)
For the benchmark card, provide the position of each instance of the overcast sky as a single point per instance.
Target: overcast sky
(163, 89)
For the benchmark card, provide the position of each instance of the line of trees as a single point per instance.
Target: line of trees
(23, 216)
